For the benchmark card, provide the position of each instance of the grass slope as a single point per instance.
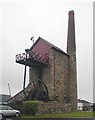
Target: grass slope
(63, 115)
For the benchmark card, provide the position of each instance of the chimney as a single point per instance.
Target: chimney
(72, 73)
(71, 47)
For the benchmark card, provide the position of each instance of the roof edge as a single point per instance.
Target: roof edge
(60, 51)
(52, 46)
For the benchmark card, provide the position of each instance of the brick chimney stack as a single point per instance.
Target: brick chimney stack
(71, 47)
(72, 74)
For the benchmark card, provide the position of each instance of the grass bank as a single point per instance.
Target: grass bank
(63, 115)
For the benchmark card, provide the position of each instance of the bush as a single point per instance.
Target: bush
(30, 107)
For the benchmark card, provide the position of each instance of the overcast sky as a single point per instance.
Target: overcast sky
(21, 19)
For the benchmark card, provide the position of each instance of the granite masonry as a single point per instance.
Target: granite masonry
(56, 69)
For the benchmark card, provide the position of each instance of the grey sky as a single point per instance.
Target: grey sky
(21, 19)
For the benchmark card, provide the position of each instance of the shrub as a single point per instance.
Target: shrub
(30, 107)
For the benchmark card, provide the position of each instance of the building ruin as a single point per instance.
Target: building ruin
(52, 73)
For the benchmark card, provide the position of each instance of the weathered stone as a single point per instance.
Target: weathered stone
(59, 75)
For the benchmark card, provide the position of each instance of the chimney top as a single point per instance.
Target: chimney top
(71, 46)
(71, 12)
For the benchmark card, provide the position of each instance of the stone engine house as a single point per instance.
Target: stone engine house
(52, 72)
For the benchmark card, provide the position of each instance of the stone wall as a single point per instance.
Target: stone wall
(60, 78)
(18, 97)
(72, 83)
(55, 76)
(52, 107)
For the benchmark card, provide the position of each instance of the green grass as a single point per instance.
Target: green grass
(63, 115)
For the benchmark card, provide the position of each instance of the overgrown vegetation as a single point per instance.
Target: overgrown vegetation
(30, 107)
(26, 107)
